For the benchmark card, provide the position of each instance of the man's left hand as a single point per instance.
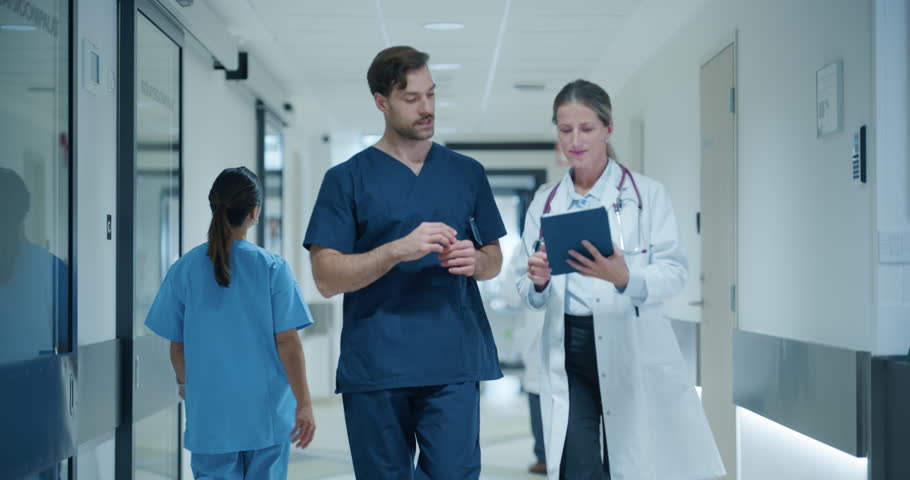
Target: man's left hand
(460, 258)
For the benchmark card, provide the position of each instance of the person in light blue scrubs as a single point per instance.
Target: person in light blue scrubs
(34, 283)
(404, 229)
(232, 311)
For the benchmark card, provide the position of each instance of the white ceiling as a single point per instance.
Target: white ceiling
(322, 49)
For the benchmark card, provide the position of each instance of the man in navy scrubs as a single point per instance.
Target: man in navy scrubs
(404, 229)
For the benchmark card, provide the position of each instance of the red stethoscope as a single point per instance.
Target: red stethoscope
(617, 210)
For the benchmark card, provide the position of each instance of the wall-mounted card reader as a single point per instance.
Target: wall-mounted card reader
(859, 155)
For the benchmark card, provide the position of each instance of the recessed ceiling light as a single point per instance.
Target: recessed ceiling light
(445, 66)
(529, 87)
(18, 28)
(443, 26)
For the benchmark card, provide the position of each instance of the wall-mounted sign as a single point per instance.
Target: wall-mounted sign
(33, 15)
(829, 98)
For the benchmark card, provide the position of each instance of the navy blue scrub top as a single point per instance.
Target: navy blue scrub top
(418, 324)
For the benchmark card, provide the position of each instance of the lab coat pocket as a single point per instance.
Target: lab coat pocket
(657, 341)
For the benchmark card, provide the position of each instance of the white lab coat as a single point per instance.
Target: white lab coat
(655, 426)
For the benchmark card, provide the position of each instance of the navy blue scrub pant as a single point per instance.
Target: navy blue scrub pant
(584, 456)
(537, 427)
(385, 427)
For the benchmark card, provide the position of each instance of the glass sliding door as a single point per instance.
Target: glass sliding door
(270, 166)
(156, 236)
(157, 194)
(273, 212)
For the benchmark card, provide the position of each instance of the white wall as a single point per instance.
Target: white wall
(520, 160)
(96, 182)
(805, 235)
(308, 156)
(96, 178)
(219, 131)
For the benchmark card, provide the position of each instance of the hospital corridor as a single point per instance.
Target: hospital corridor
(454, 240)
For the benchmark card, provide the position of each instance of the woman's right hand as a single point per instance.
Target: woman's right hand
(304, 426)
(539, 269)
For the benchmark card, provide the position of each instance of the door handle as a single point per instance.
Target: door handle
(697, 303)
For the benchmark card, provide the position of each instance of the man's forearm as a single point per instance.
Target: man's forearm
(489, 261)
(336, 272)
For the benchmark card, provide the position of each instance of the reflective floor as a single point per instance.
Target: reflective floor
(505, 438)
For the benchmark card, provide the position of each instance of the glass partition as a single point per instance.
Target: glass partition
(157, 191)
(157, 223)
(34, 179)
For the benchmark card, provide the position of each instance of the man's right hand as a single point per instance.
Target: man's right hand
(427, 237)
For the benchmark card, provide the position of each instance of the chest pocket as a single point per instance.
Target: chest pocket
(456, 213)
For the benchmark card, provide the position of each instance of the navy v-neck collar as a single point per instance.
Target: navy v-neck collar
(426, 159)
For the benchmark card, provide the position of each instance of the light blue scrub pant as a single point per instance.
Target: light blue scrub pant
(270, 463)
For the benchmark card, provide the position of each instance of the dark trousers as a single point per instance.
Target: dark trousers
(537, 426)
(584, 456)
(386, 426)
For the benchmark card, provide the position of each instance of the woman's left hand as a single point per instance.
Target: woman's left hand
(612, 269)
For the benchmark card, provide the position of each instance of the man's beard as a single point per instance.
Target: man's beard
(412, 132)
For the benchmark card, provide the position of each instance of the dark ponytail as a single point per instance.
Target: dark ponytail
(14, 204)
(233, 196)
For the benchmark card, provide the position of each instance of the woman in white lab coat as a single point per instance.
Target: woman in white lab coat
(613, 373)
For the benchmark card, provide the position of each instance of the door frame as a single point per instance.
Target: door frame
(137, 397)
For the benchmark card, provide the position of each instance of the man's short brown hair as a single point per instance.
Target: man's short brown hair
(391, 66)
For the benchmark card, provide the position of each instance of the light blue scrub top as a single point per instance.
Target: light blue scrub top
(34, 304)
(237, 394)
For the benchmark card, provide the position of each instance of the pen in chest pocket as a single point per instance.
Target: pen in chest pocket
(474, 232)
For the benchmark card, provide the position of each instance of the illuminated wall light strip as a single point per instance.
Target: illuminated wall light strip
(18, 28)
(852, 467)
